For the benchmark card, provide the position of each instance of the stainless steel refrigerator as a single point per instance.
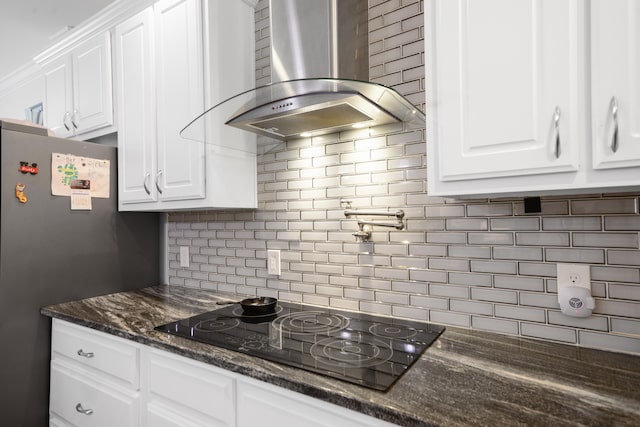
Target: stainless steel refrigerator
(50, 254)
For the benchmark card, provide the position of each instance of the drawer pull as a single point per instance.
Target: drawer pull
(88, 355)
(80, 409)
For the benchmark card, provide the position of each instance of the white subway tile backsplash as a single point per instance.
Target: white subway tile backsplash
(450, 318)
(598, 323)
(492, 238)
(572, 224)
(607, 240)
(626, 326)
(622, 223)
(604, 206)
(591, 256)
(618, 308)
(519, 283)
(617, 257)
(616, 274)
(552, 333)
(537, 269)
(497, 209)
(451, 291)
(481, 264)
(515, 224)
(449, 264)
(497, 267)
(494, 295)
(517, 253)
(410, 312)
(519, 313)
(543, 239)
(472, 307)
(613, 342)
(375, 308)
(629, 292)
(493, 324)
(470, 279)
(469, 224)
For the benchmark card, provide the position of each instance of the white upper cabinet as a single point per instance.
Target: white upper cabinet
(169, 59)
(508, 89)
(134, 72)
(508, 97)
(78, 88)
(615, 70)
(180, 98)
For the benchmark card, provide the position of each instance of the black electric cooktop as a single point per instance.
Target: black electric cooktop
(371, 351)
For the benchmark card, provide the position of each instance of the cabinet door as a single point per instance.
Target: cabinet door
(134, 64)
(180, 96)
(615, 63)
(58, 97)
(92, 94)
(183, 392)
(261, 404)
(503, 97)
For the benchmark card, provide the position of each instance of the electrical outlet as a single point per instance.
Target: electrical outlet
(574, 275)
(184, 256)
(273, 262)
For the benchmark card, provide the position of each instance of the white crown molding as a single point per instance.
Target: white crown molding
(104, 20)
(25, 73)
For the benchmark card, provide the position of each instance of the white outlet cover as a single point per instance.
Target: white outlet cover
(574, 275)
(184, 256)
(273, 262)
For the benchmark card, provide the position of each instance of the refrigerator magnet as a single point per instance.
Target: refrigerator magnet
(22, 198)
(26, 168)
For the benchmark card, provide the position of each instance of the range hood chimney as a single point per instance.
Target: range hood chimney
(319, 77)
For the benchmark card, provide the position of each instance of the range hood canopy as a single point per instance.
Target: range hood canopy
(308, 107)
(319, 57)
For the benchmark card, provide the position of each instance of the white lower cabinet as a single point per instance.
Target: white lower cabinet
(101, 380)
(265, 405)
(83, 398)
(183, 392)
(94, 378)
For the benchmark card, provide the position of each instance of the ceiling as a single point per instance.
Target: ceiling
(29, 26)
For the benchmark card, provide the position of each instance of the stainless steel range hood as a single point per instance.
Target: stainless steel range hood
(319, 78)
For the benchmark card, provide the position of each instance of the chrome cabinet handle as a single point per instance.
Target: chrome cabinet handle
(158, 182)
(555, 141)
(88, 355)
(612, 125)
(147, 177)
(73, 117)
(80, 409)
(64, 121)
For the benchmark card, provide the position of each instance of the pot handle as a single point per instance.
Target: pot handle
(226, 302)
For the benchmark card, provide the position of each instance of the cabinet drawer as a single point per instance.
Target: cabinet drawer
(73, 391)
(182, 383)
(106, 353)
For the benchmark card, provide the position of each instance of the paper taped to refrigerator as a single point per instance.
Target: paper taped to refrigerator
(67, 168)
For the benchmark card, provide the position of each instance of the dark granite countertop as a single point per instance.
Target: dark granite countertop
(466, 378)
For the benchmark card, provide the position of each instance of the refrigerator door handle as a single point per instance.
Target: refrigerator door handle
(158, 181)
